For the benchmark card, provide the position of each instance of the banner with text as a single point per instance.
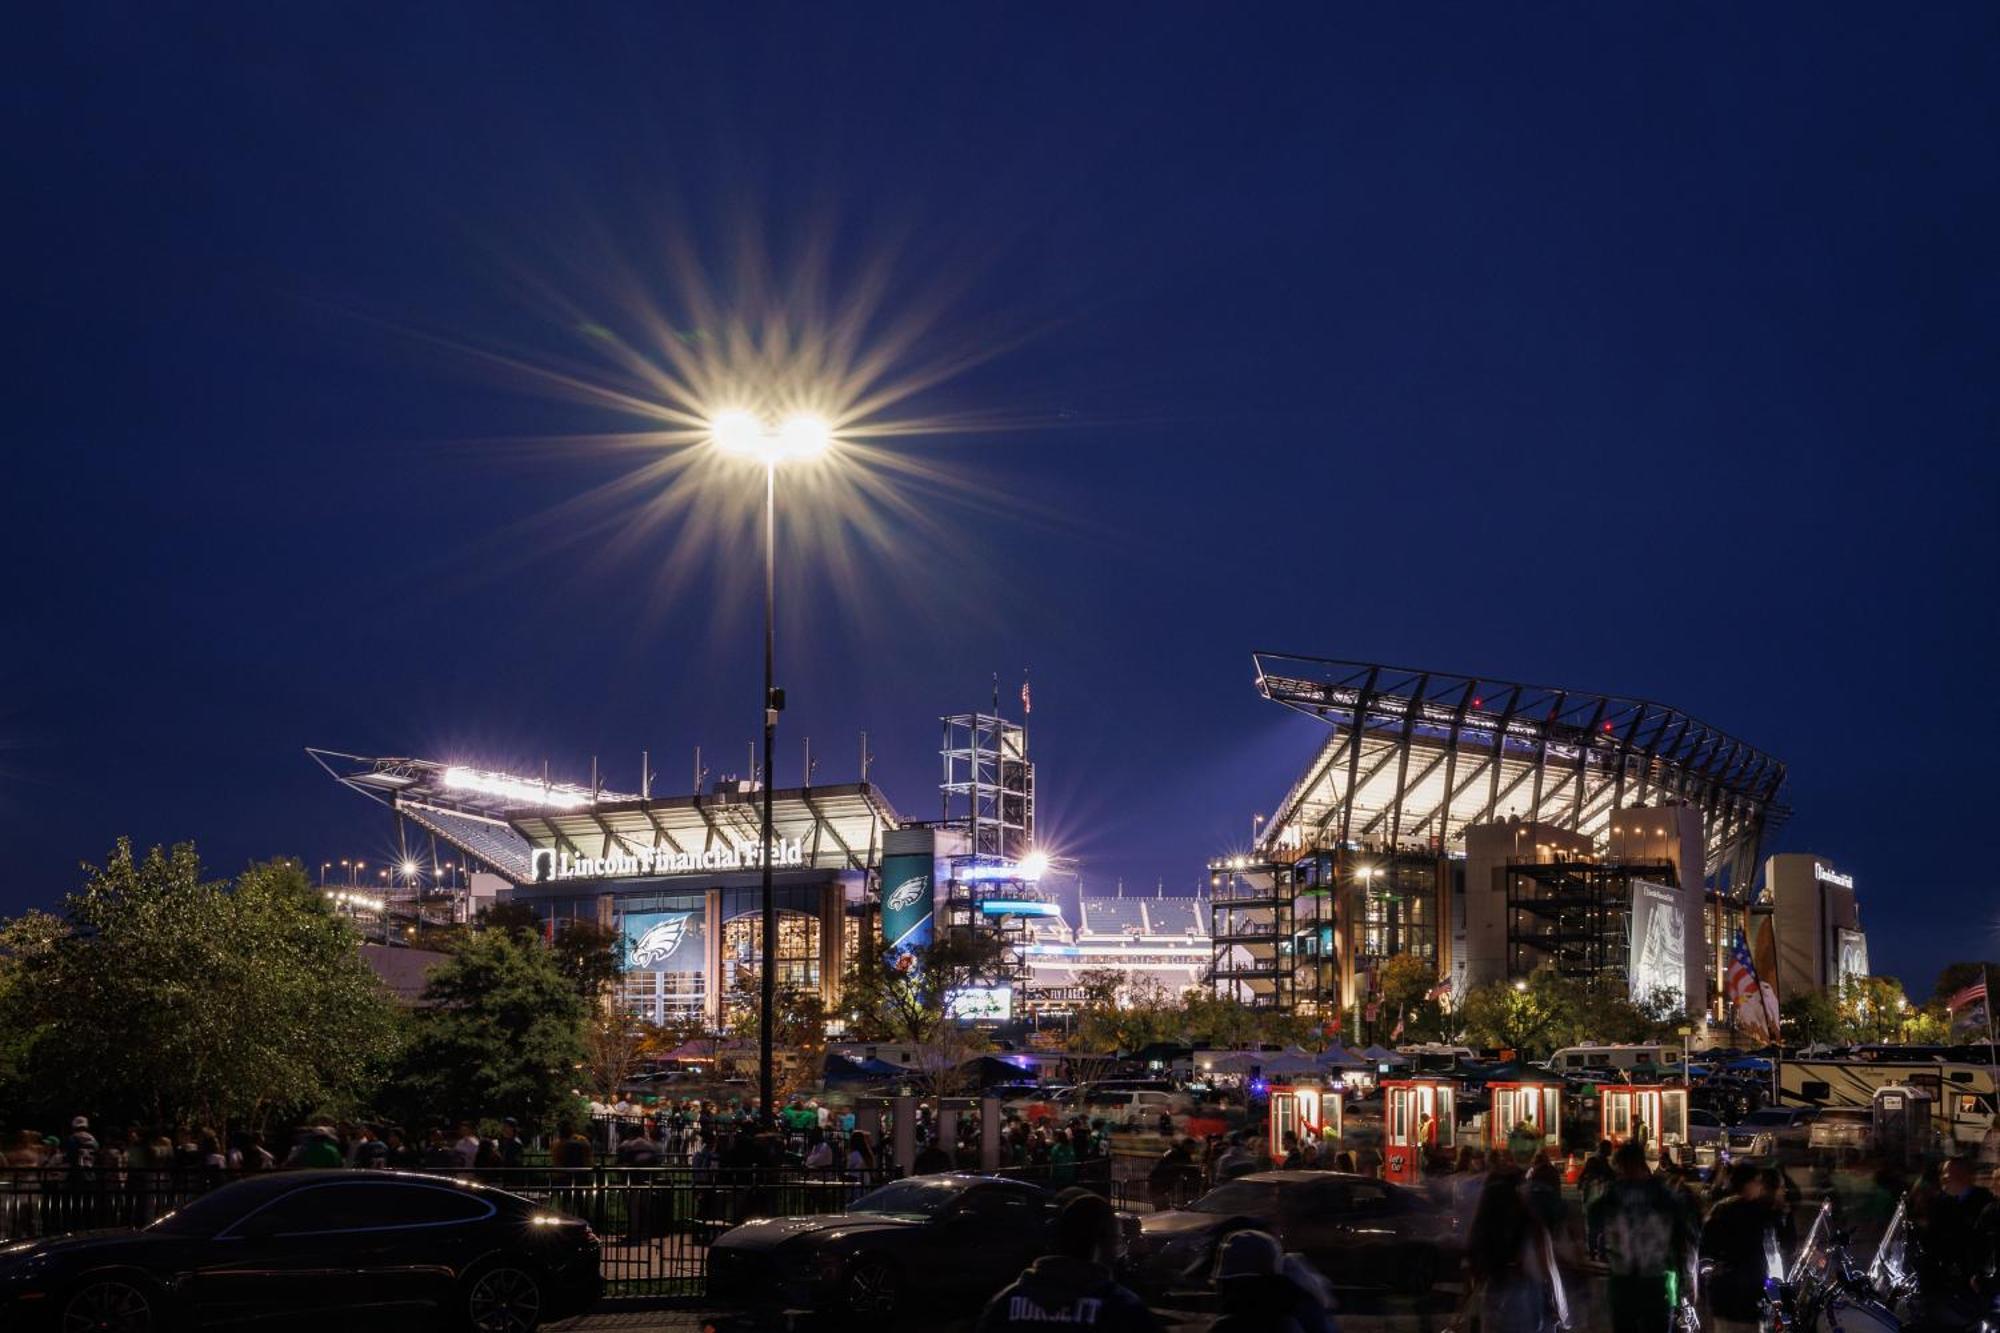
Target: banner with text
(1659, 941)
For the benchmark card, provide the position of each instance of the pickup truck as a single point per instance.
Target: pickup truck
(1844, 1131)
(1779, 1133)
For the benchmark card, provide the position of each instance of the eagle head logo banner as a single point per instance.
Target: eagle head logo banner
(909, 893)
(657, 942)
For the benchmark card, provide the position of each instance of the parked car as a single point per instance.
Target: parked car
(943, 1242)
(1357, 1230)
(1780, 1132)
(1846, 1131)
(1704, 1127)
(273, 1249)
(1141, 1106)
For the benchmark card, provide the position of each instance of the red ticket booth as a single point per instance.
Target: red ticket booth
(1654, 1113)
(1512, 1105)
(1418, 1115)
(1309, 1111)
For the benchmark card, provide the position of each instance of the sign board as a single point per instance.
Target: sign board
(909, 906)
(665, 941)
(546, 864)
(1659, 941)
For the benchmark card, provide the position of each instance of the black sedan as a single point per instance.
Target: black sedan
(939, 1242)
(323, 1243)
(1357, 1230)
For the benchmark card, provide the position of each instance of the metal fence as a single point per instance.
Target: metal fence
(656, 1223)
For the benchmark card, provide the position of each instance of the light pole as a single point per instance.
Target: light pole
(799, 438)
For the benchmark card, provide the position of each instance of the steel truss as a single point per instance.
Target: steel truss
(1417, 756)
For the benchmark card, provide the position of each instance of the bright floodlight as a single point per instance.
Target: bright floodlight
(1034, 865)
(409, 869)
(737, 432)
(803, 436)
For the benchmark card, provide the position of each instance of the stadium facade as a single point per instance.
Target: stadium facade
(1490, 828)
(680, 877)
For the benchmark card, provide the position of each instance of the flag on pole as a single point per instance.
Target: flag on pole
(1755, 1004)
(1025, 707)
(1970, 1012)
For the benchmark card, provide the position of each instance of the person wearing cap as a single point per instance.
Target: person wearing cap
(1072, 1284)
(512, 1151)
(1260, 1295)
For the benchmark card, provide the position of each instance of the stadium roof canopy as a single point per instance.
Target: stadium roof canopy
(502, 820)
(1416, 756)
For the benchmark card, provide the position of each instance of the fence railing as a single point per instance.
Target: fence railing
(656, 1223)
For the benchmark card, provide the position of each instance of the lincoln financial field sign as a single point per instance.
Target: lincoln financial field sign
(550, 864)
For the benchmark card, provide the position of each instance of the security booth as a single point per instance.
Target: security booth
(1902, 1123)
(1307, 1110)
(1524, 1117)
(1418, 1115)
(1655, 1113)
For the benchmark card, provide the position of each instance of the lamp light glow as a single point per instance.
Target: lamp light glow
(800, 437)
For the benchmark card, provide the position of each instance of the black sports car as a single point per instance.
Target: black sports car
(324, 1243)
(1357, 1230)
(928, 1239)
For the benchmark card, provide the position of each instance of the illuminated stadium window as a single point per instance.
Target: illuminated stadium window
(660, 996)
(798, 951)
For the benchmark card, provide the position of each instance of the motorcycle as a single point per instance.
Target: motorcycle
(1826, 1291)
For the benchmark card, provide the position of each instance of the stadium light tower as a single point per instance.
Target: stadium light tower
(798, 439)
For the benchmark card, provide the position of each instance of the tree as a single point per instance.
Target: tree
(162, 997)
(1810, 1018)
(613, 1045)
(1403, 982)
(1120, 1013)
(591, 956)
(798, 1030)
(1506, 1015)
(907, 1002)
(1871, 1008)
(499, 1032)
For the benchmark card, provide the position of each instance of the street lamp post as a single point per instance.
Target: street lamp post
(799, 438)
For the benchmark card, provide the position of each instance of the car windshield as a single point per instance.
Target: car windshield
(1768, 1116)
(926, 1196)
(209, 1214)
(1252, 1198)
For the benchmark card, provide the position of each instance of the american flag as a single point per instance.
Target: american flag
(1970, 1011)
(1747, 996)
(1026, 707)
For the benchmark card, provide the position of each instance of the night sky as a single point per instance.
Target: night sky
(1644, 351)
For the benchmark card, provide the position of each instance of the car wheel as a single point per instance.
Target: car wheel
(108, 1305)
(503, 1299)
(1419, 1273)
(873, 1287)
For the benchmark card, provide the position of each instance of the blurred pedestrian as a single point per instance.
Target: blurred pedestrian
(1740, 1244)
(1257, 1293)
(1072, 1284)
(1510, 1258)
(1641, 1232)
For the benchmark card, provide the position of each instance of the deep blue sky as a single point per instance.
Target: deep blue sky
(1644, 351)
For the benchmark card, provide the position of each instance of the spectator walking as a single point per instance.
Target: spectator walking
(1641, 1231)
(1511, 1260)
(1260, 1293)
(1739, 1243)
(1072, 1285)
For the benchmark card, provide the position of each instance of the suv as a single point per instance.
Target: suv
(1780, 1132)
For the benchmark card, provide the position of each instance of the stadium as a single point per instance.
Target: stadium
(1491, 827)
(680, 877)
